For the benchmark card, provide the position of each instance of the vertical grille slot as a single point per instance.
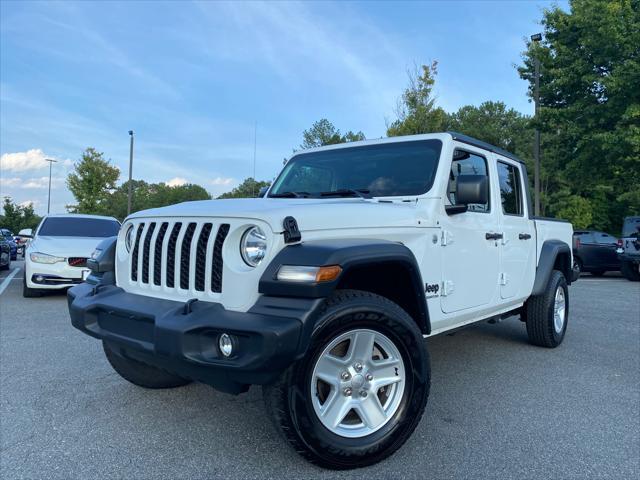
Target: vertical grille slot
(201, 256)
(216, 270)
(134, 254)
(171, 254)
(186, 256)
(157, 254)
(145, 252)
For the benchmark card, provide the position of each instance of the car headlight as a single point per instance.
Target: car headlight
(253, 246)
(38, 257)
(128, 238)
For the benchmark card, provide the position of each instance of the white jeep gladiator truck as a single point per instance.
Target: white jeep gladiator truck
(324, 290)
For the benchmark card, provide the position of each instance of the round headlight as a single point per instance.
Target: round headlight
(253, 246)
(128, 238)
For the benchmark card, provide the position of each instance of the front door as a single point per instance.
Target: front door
(470, 261)
(518, 232)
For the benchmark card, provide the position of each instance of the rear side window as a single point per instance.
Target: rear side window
(467, 163)
(78, 227)
(510, 189)
(606, 239)
(585, 237)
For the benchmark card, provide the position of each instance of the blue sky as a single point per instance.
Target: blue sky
(192, 79)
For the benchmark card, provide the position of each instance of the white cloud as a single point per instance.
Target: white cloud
(177, 182)
(41, 182)
(221, 181)
(33, 203)
(10, 182)
(21, 161)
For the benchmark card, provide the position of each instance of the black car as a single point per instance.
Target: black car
(595, 252)
(5, 254)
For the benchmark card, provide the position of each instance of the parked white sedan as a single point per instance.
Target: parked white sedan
(57, 256)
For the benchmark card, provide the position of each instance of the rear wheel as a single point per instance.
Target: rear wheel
(547, 313)
(141, 374)
(630, 271)
(360, 391)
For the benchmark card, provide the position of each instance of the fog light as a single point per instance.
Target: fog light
(39, 278)
(226, 345)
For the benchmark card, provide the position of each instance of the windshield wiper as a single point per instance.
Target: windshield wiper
(347, 192)
(290, 195)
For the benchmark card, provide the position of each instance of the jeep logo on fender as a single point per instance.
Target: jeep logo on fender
(432, 288)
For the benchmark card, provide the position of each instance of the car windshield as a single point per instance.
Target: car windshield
(79, 227)
(631, 226)
(383, 170)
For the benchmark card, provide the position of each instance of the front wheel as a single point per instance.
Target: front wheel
(360, 391)
(139, 373)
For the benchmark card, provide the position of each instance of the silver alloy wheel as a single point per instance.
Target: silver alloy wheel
(357, 383)
(559, 310)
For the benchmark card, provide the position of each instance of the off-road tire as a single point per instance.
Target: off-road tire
(29, 292)
(141, 374)
(540, 313)
(288, 401)
(630, 271)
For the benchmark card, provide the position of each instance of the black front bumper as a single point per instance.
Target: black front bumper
(163, 333)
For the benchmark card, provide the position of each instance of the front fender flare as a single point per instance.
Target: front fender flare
(349, 254)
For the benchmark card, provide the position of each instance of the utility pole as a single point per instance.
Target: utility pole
(536, 142)
(255, 141)
(129, 195)
(51, 162)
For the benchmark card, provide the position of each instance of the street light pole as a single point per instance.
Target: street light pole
(536, 142)
(129, 195)
(51, 162)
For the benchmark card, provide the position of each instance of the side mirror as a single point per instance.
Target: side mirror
(262, 192)
(26, 232)
(469, 189)
(472, 189)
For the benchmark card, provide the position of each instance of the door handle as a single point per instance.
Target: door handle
(493, 236)
(524, 236)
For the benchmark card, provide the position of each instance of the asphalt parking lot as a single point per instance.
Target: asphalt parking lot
(499, 408)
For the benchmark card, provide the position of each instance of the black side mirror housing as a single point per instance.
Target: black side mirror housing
(262, 192)
(103, 258)
(472, 189)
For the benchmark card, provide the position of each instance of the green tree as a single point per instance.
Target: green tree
(416, 111)
(150, 195)
(323, 132)
(91, 183)
(247, 189)
(590, 107)
(16, 217)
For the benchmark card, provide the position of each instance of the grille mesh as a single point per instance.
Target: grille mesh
(201, 256)
(216, 270)
(171, 254)
(145, 253)
(185, 258)
(157, 254)
(134, 254)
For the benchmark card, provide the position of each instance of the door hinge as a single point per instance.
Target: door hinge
(447, 287)
(504, 279)
(446, 238)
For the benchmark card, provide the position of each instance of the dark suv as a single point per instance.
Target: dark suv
(594, 252)
(629, 252)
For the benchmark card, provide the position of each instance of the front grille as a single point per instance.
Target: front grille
(77, 261)
(180, 255)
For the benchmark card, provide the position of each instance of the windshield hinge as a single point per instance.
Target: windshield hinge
(291, 231)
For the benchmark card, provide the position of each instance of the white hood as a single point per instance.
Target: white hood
(65, 246)
(311, 214)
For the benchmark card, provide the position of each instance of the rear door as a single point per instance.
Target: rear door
(518, 233)
(607, 245)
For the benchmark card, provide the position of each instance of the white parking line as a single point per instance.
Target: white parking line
(5, 282)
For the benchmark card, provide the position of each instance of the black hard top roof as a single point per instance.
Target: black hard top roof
(486, 146)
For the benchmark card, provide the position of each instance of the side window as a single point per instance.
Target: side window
(510, 189)
(587, 238)
(466, 163)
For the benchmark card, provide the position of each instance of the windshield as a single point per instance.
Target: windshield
(79, 227)
(383, 170)
(631, 225)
